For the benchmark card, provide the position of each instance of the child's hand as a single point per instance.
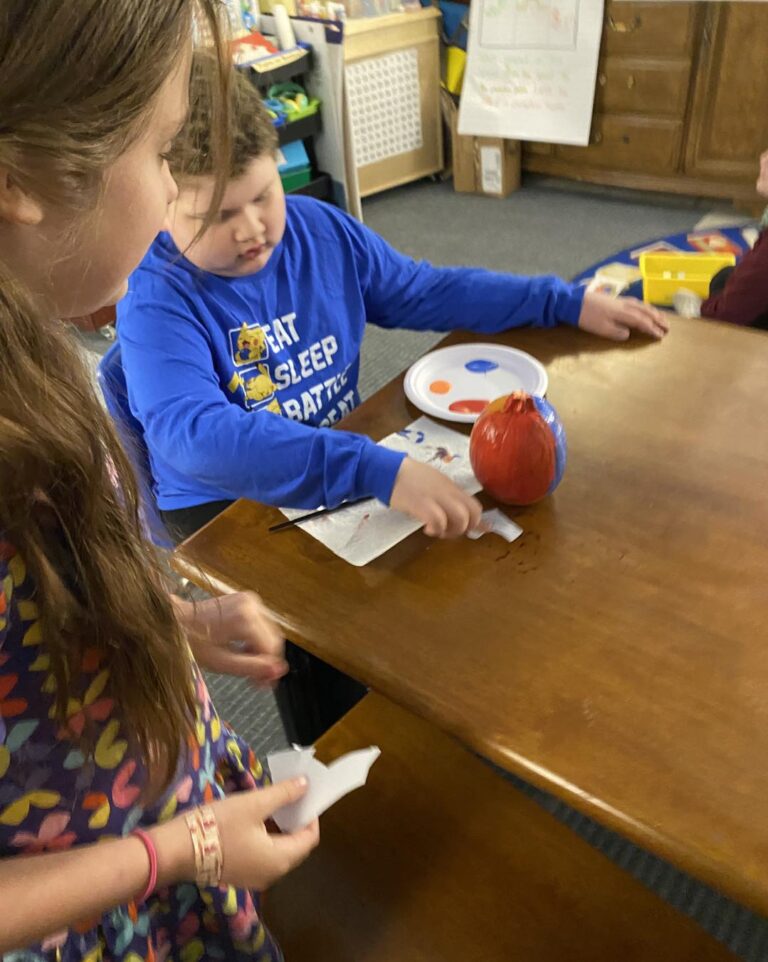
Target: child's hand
(235, 635)
(252, 857)
(424, 493)
(616, 317)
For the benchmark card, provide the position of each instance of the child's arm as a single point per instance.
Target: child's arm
(193, 429)
(745, 297)
(401, 292)
(50, 892)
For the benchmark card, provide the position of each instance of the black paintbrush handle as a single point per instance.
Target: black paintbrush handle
(316, 514)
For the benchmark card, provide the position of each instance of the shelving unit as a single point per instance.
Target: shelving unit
(263, 75)
(319, 187)
(288, 64)
(300, 129)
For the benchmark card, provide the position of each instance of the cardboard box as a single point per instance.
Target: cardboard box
(481, 165)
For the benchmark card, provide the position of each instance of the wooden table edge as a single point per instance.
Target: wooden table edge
(710, 871)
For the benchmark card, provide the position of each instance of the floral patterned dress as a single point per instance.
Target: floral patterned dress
(52, 799)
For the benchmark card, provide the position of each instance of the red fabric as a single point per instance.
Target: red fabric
(745, 297)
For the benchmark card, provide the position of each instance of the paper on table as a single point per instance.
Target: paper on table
(327, 784)
(362, 532)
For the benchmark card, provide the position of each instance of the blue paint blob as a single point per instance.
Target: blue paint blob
(481, 367)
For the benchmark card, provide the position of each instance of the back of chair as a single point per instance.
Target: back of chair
(111, 377)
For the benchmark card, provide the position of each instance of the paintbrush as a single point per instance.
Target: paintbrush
(316, 514)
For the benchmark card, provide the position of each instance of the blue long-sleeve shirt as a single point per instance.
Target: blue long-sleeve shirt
(236, 381)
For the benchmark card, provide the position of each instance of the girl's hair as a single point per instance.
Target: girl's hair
(253, 133)
(76, 81)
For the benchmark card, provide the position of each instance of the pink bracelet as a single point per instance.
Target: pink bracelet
(149, 845)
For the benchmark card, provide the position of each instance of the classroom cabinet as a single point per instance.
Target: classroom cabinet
(729, 116)
(681, 101)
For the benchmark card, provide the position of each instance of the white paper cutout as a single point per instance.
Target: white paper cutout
(496, 522)
(327, 784)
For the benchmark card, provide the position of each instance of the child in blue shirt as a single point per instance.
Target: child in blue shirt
(241, 354)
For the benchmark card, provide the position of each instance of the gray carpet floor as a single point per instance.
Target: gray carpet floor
(547, 227)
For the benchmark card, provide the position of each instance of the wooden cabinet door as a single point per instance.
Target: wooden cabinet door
(648, 145)
(640, 29)
(655, 88)
(729, 123)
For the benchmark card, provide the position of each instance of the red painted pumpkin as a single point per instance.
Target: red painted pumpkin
(514, 450)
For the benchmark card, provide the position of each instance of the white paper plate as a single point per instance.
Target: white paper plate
(446, 382)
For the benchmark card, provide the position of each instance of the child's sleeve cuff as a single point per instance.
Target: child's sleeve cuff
(378, 471)
(569, 304)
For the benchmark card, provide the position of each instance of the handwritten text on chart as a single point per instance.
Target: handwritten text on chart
(523, 82)
(531, 69)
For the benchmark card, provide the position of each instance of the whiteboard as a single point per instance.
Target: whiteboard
(531, 69)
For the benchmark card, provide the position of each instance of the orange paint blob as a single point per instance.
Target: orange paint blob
(440, 387)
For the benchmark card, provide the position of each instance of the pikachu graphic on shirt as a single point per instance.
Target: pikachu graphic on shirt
(258, 386)
(251, 344)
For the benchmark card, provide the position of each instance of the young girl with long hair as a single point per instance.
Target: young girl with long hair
(127, 827)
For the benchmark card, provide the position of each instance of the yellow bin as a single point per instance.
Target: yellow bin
(665, 274)
(455, 62)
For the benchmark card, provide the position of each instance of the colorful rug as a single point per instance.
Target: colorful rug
(619, 273)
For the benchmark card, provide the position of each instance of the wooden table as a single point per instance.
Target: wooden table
(617, 654)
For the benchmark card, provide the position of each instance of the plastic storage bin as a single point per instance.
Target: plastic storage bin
(294, 166)
(665, 274)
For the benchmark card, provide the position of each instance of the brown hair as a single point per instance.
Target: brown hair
(252, 132)
(76, 81)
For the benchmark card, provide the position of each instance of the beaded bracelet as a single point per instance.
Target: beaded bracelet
(206, 845)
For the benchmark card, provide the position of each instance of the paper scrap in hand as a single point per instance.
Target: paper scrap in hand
(327, 783)
(496, 522)
(363, 532)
